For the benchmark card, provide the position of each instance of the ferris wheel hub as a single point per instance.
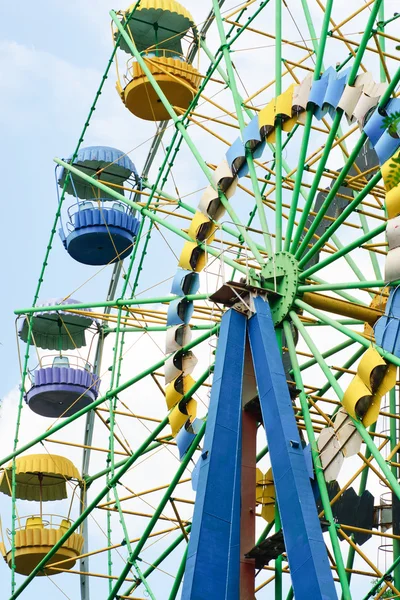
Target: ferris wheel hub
(282, 271)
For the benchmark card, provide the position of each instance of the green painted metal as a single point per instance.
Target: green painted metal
(339, 292)
(346, 285)
(361, 490)
(327, 354)
(178, 577)
(345, 250)
(347, 365)
(281, 272)
(108, 395)
(278, 150)
(238, 107)
(338, 391)
(117, 303)
(163, 222)
(372, 255)
(92, 505)
(149, 528)
(152, 329)
(350, 261)
(382, 579)
(161, 558)
(306, 133)
(319, 473)
(328, 146)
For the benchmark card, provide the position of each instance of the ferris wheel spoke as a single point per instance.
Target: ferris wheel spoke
(347, 365)
(346, 331)
(345, 250)
(319, 51)
(338, 288)
(140, 545)
(350, 261)
(372, 255)
(330, 141)
(391, 479)
(314, 451)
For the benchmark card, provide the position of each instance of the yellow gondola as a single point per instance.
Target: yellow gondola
(41, 478)
(157, 28)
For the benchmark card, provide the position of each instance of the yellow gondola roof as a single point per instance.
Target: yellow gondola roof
(172, 21)
(40, 476)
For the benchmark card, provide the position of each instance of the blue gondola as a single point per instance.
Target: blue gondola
(62, 384)
(61, 388)
(99, 229)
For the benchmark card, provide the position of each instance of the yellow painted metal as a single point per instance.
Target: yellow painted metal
(178, 80)
(202, 228)
(163, 5)
(288, 124)
(40, 476)
(177, 418)
(266, 118)
(378, 302)
(35, 540)
(284, 103)
(374, 379)
(392, 202)
(265, 494)
(343, 307)
(177, 389)
(193, 257)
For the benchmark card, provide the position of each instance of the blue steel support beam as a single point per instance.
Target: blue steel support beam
(212, 566)
(308, 560)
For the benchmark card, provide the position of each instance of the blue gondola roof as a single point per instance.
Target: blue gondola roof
(92, 158)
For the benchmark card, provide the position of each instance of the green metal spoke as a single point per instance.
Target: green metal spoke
(326, 354)
(166, 224)
(117, 390)
(238, 108)
(110, 303)
(345, 285)
(306, 137)
(328, 146)
(140, 545)
(339, 291)
(345, 250)
(319, 473)
(92, 505)
(350, 260)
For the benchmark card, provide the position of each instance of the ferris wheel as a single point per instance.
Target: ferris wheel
(226, 414)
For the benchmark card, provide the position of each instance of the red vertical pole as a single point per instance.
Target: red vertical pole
(248, 483)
